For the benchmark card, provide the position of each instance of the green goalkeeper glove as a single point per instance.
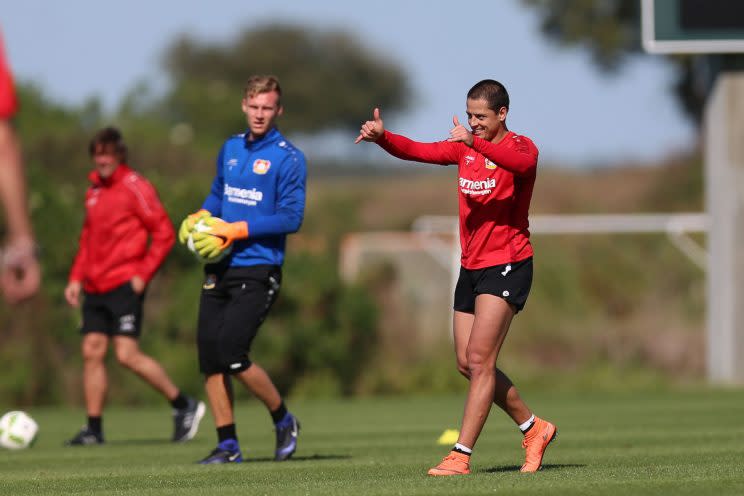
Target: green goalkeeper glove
(220, 236)
(188, 224)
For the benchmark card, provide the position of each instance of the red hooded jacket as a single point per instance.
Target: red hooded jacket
(122, 212)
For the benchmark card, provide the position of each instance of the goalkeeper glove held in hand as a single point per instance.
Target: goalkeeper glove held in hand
(220, 236)
(188, 224)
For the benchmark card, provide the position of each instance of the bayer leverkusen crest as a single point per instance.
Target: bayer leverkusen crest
(490, 165)
(261, 166)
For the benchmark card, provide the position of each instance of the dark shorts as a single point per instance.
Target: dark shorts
(116, 313)
(234, 302)
(512, 282)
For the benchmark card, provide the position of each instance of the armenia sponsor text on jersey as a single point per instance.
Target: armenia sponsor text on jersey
(261, 182)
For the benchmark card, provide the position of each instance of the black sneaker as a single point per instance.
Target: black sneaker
(186, 420)
(85, 437)
(286, 437)
(225, 452)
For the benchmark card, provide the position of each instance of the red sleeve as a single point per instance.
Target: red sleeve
(77, 272)
(150, 211)
(441, 152)
(8, 102)
(517, 154)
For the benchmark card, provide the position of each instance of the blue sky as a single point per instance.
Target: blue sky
(576, 115)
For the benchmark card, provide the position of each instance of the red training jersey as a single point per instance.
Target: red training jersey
(121, 213)
(8, 102)
(495, 188)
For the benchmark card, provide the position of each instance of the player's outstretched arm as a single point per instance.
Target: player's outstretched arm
(20, 274)
(371, 130)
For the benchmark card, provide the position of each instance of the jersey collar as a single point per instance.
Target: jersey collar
(119, 173)
(271, 136)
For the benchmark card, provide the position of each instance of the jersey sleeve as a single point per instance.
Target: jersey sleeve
(441, 152)
(8, 101)
(150, 211)
(516, 154)
(213, 202)
(290, 200)
(77, 272)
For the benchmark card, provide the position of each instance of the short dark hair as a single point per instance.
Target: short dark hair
(109, 137)
(491, 91)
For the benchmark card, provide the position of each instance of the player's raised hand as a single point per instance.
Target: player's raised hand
(371, 130)
(459, 133)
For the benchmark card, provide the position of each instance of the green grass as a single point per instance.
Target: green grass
(667, 443)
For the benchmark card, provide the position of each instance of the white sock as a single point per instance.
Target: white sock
(527, 423)
(463, 448)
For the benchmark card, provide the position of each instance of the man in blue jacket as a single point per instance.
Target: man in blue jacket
(257, 198)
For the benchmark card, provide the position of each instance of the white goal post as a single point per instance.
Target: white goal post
(676, 226)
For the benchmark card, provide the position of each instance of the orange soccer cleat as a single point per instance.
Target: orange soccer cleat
(453, 464)
(535, 443)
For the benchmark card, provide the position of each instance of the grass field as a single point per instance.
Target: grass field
(668, 443)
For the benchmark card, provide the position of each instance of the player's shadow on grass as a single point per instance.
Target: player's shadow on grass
(296, 458)
(300, 458)
(141, 442)
(549, 466)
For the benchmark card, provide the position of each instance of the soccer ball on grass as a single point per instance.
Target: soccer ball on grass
(17, 430)
(202, 226)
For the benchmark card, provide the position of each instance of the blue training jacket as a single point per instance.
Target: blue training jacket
(263, 183)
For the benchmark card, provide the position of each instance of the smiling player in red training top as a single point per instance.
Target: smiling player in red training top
(496, 176)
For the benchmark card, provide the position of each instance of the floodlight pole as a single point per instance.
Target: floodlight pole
(724, 178)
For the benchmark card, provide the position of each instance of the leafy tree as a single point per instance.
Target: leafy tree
(611, 31)
(329, 79)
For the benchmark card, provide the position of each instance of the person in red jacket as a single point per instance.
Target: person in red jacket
(20, 274)
(111, 271)
(497, 170)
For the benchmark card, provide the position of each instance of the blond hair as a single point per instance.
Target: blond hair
(262, 84)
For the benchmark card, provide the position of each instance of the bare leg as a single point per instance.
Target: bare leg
(259, 383)
(492, 318)
(462, 324)
(508, 399)
(95, 382)
(506, 395)
(129, 355)
(219, 394)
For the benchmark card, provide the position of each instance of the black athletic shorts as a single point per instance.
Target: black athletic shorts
(234, 302)
(116, 313)
(511, 281)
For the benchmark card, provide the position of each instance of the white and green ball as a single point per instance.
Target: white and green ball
(17, 430)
